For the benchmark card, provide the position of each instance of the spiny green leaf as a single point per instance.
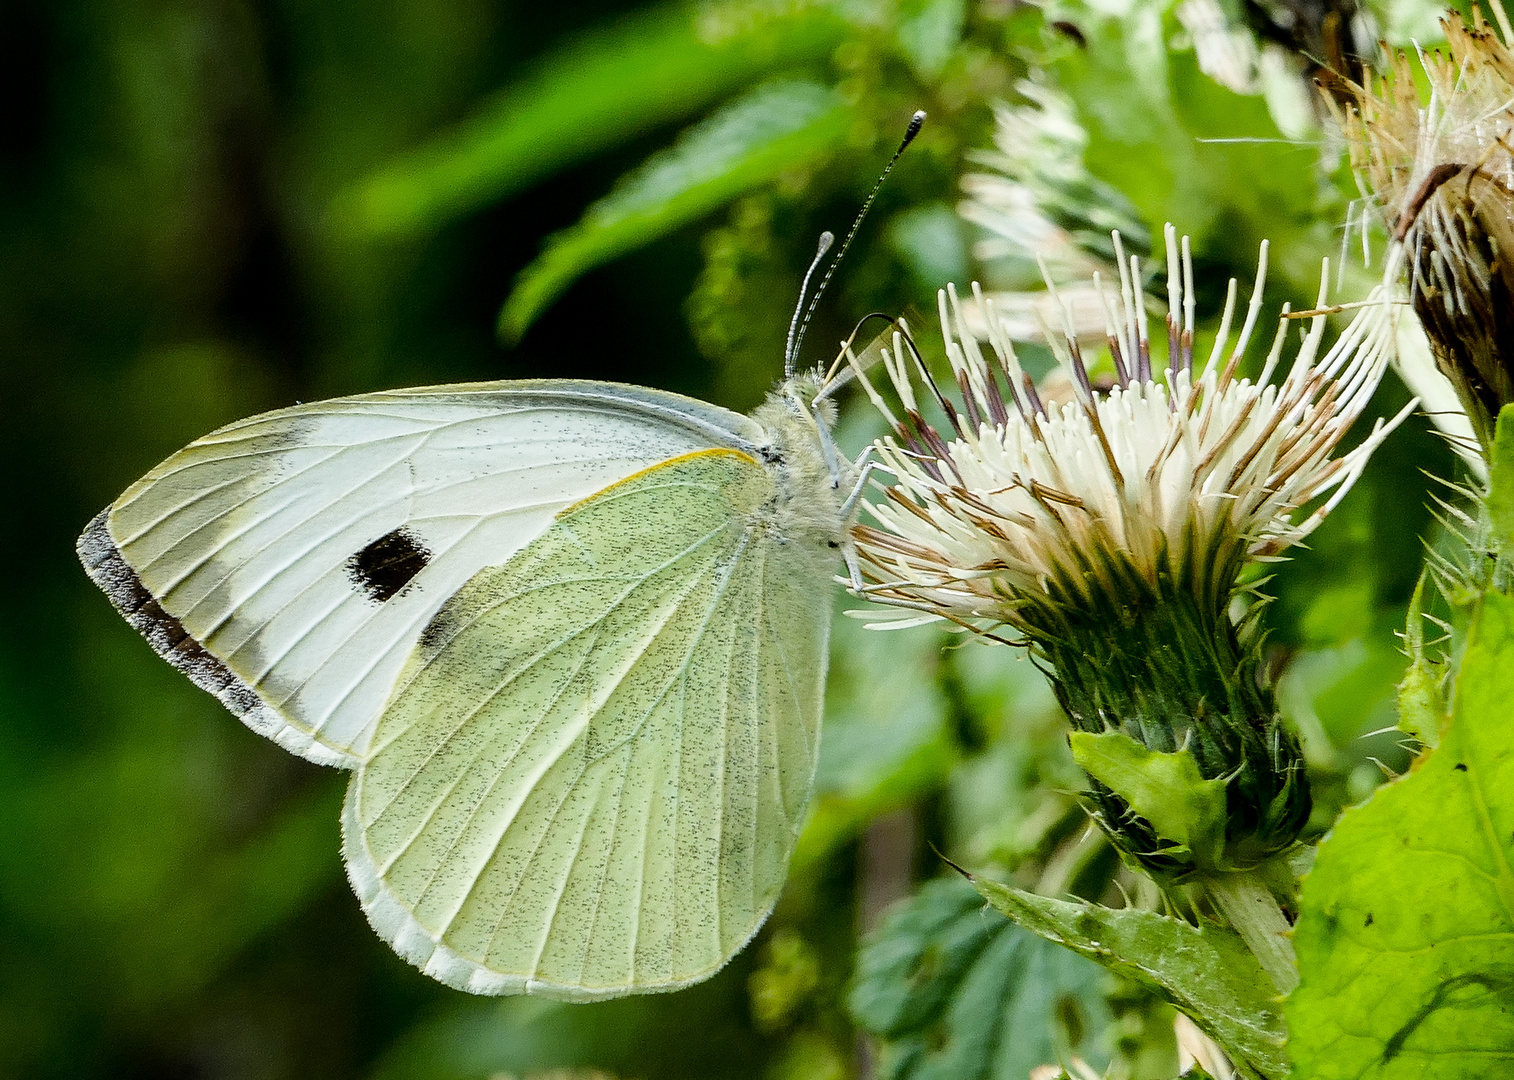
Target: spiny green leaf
(1205, 971)
(1501, 485)
(956, 992)
(1166, 789)
(597, 91)
(1405, 936)
(771, 130)
(1421, 706)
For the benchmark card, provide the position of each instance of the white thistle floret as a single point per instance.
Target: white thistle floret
(1021, 506)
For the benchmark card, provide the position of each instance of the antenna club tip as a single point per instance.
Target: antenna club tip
(916, 122)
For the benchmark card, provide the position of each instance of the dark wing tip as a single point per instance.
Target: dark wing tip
(108, 569)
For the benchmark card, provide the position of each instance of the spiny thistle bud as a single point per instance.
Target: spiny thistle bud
(1110, 535)
(1442, 172)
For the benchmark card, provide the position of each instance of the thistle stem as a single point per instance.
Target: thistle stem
(1252, 910)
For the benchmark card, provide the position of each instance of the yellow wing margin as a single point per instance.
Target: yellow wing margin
(715, 452)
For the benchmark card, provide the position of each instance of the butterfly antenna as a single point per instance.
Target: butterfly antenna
(796, 339)
(791, 348)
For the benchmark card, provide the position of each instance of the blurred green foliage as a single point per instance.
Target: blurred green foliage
(212, 208)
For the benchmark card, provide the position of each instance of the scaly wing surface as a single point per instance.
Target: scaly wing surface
(288, 563)
(591, 777)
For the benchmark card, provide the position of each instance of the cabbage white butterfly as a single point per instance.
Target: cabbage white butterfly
(570, 637)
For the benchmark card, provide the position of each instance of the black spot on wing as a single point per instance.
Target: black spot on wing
(108, 569)
(388, 564)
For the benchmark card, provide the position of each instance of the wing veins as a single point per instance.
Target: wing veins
(683, 669)
(536, 849)
(624, 595)
(268, 577)
(599, 887)
(320, 724)
(725, 731)
(200, 496)
(799, 711)
(562, 888)
(462, 774)
(756, 732)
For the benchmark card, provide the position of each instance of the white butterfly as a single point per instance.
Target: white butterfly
(569, 636)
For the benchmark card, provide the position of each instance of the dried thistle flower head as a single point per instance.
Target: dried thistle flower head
(1111, 532)
(1442, 172)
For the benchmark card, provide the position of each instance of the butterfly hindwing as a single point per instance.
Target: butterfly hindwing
(591, 776)
(290, 562)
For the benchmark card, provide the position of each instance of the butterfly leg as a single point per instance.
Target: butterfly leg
(865, 471)
(853, 571)
(828, 448)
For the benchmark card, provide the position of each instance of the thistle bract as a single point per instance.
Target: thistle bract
(1111, 533)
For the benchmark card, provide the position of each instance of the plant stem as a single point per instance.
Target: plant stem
(1254, 913)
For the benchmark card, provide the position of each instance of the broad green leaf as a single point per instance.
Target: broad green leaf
(771, 130)
(1501, 484)
(1205, 971)
(599, 90)
(1166, 789)
(957, 993)
(933, 242)
(1405, 936)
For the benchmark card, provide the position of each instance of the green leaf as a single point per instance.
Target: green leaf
(928, 33)
(1421, 707)
(1166, 789)
(1405, 935)
(597, 91)
(749, 143)
(1206, 971)
(1501, 484)
(1174, 142)
(957, 993)
(933, 242)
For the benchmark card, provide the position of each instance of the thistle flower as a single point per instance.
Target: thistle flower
(1442, 173)
(1110, 534)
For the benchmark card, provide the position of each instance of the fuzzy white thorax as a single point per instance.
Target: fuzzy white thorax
(1184, 474)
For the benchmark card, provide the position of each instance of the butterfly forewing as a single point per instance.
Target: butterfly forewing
(591, 777)
(290, 562)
